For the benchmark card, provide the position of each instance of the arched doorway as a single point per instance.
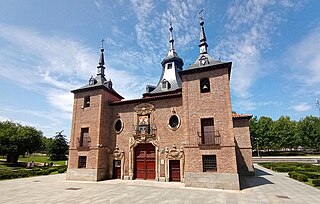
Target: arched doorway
(145, 161)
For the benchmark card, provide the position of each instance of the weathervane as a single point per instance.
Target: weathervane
(170, 19)
(102, 43)
(201, 14)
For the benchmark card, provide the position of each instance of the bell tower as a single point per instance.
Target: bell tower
(208, 115)
(90, 140)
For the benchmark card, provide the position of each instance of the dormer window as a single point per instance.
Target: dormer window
(165, 85)
(203, 60)
(204, 85)
(170, 66)
(86, 101)
(92, 81)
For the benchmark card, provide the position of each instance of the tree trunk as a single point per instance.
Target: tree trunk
(12, 157)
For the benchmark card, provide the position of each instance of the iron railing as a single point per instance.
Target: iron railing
(145, 130)
(209, 138)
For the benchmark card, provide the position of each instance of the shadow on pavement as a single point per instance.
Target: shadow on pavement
(256, 180)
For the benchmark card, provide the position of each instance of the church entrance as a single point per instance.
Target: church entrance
(174, 170)
(145, 162)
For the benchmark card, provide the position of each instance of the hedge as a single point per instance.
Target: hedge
(9, 174)
(298, 176)
(316, 182)
(283, 169)
(62, 170)
(311, 175)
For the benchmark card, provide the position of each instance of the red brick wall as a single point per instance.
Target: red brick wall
(244, 149)
(215, 104)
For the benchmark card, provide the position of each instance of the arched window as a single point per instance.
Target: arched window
(204, 85)
(165, 85)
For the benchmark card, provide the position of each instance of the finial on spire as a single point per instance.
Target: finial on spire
(101, 60)
(102, 49)
(201, 15)
(203, 44)
(171, 36)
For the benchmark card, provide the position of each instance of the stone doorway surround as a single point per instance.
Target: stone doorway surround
(174, 154)
(117, 154)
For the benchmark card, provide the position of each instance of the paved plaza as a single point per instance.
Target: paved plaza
(265, 187)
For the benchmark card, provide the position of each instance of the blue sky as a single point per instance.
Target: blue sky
(48, 48)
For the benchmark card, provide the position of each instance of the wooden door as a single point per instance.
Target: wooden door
(174, 170)
(116, 169)
(145, 167)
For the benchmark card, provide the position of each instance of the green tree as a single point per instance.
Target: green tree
(264, 134)
(253, 131)
(58, 148)
(16, 140)
(46, 143)
(283, 133)
(308, 132)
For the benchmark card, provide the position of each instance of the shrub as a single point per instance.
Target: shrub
(62, 170)
(298, 176)
(312, 169)
(316, 182)
(310, 174)
(283, 169)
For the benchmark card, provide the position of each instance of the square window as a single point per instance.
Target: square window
(84, 138)
(169, 66)
(207, 131)
(209, 163)
(82, 162)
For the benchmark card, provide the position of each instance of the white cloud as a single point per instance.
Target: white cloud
(55, 65)
(304, 59)
(248, 34)
(301, 107)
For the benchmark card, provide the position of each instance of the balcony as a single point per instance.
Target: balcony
(209, 138)
(83, 144)
(145, 131)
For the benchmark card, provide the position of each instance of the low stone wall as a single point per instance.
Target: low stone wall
(212, 180)
(86, 174)
(303, 159)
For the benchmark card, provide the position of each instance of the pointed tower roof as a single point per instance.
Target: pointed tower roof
(172, 54)
(100, 68)
(171, 65)
(99, 81)
(204, 59)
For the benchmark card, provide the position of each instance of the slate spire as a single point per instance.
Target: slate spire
(171, 37)
(203, 40)
(101, 67)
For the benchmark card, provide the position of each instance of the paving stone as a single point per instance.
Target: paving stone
(265, 187)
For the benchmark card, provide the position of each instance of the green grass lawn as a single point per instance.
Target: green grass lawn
(42, 159)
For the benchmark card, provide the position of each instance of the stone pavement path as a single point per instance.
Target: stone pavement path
(265, 187)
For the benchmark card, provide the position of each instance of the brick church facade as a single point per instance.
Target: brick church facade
(183, 129)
